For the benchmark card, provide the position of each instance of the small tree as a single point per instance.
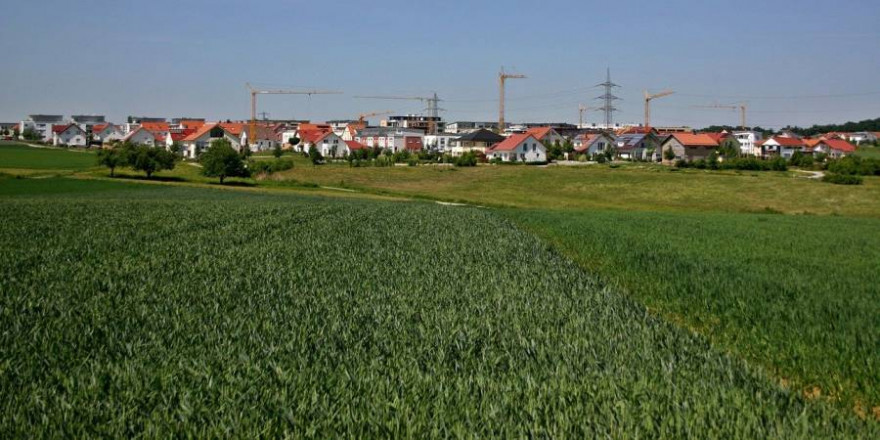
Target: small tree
(30, 134)
(669, 154)
(111, 158)
(150, 159)
(221, 160)
(276, 151)
(315, 155)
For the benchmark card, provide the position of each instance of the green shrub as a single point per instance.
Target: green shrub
(842, 179)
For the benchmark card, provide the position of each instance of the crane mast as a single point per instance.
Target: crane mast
(502, 78)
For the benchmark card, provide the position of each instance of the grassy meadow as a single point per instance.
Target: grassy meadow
(184, 311)
(15, 156)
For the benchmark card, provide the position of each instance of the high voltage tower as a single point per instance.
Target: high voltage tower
(608, 98)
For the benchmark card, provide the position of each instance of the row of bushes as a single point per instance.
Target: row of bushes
(855, 166)
(842, 179)
(736, 163)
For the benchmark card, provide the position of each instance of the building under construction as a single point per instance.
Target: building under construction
(428, 124)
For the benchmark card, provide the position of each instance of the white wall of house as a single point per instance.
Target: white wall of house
(109, 133)
(528, 150)
(438, 142)
(192, 148)
(747, 140)
(73, 136)
(142, 137)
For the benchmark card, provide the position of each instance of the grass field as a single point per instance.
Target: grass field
(869, 152)
(797, 294)
(163, 311)
(23, 157)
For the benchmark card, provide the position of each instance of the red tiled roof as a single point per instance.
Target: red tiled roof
(59, 128)
(355, 145)
(512, 142)
(234, 128)
(788, 142)
(840, 145)
(97, 128)
(155, 126)
(718, 137)
(202, 131)
(189, 124)
(695, 140)
(313, 136)
(179, 135)
(539, 132)
(635, 130)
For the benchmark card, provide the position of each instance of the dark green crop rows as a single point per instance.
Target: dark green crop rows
(798, 294)
(203, 313)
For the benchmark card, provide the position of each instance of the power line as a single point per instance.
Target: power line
(836, 95)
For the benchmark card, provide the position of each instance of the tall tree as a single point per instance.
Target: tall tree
(150, 159)
(111, 158)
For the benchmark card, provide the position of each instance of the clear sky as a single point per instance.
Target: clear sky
(798, 62)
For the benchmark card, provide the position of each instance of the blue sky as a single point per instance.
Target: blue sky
(798, 62)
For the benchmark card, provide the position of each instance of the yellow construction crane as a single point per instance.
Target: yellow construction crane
(363, 116)
(742, 111)
(502, 78)
(432, 102)
(252, 129)
(650, 97)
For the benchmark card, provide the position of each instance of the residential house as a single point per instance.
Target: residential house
(105, 133)
(478, 141)
(783, 146)
(593, 143)
(87, 122)
(201, 139)
(42, 125)
(355, 146)
(142, 136)
(547, 135)
(413, 143)
(71, 135)
(176, 136)
(861, 136)
(440, 142)
(328, 143)
(748, 142)
(523, 147)
(638, 146)
(688, 146)
(394, 139)
(833, 147)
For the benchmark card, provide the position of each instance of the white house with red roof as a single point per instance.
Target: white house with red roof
(784, 146)
(107, 132)
(834, 147)
(201, 139)
(688, 146)
(71, 135)
(329, 144)
(593, 143)
(176, 136)
(523, 147)
(547, 135)
(142, 136)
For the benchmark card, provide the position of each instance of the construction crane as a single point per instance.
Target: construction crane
(650, 97)
(742, 111)
(581, 109)
(432, 106)
(502, 78)
(363, 116)
(252, 129)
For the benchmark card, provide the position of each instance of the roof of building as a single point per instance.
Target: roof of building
(481, 135)
(840, 145)
(204, 129)
(62, 128)
(719, 137)
(786, 141)
(695, 140)
(512, 142)
(138, 130)
(193, 124)
(355, 145)
(234, 128)
(314, 136)
(179, 135)
(155, 126)
(635, 130)
(539, 132)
